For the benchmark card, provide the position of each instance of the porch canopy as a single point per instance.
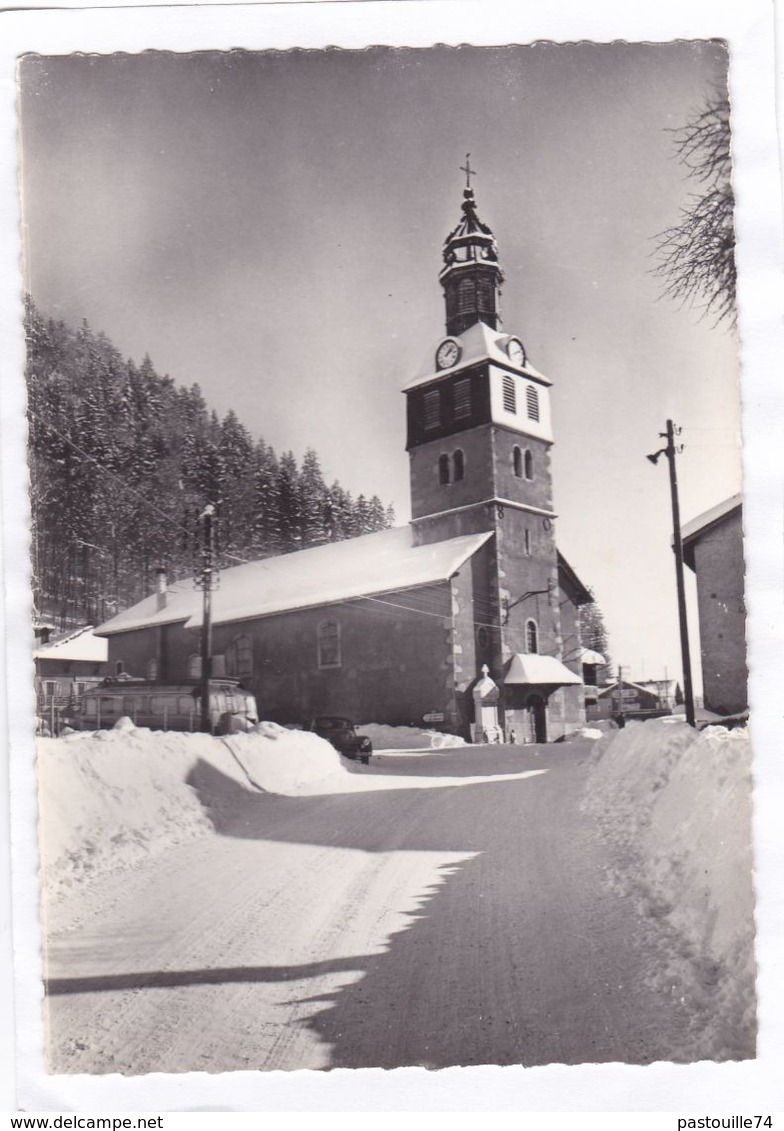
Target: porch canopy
(532, 670)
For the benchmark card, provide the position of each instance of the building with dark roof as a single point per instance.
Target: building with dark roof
(398, 626)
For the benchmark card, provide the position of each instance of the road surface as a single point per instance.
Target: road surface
(464, 924)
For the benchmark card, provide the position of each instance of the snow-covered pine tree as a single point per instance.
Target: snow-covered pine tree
(265, 521)
(120, 460)
(313, 499)
(289, 503)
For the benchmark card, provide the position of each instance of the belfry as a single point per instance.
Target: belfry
(479, 443)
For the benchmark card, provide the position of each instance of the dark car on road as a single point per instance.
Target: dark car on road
(342, 734)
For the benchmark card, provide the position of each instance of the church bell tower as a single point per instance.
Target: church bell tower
(479, 443)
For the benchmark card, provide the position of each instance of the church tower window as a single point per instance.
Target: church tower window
(443, 470)
(485, 293)
(531, 636)
(458, 464)
(433, 408)
(532, 402)
(462, 399)
(329, 645)
(510, 395)
(527, 542)
(466, 296)
(517, 462)
(529, 464)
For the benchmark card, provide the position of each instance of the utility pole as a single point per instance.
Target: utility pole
(669, 452)
(620, 715)
(206, 583)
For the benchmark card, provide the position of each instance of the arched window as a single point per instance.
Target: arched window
(532, 402)
(510, 395)
(443, 470)
(329, 654)
(239, 657)
(517, 462)
(194, 666)
(458, 465)
(529, 465)
(152, 668)
(531, 636)
(527, 541)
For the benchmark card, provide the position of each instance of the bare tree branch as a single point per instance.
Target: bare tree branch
(696, 257)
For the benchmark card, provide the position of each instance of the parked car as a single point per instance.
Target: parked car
(342, 734)
(165, 706)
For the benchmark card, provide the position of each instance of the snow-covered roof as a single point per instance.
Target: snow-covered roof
(478, 343)
(536, 670)
(698, 526)
(81, 645)
(610, 687)
(588, 656)
(384, 562)
(666, 686)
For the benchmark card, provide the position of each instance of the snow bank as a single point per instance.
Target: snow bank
(111, 798)
(408, 738)
(290, 762)
(677, 803)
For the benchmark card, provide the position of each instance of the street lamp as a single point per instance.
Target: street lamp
(669, 452)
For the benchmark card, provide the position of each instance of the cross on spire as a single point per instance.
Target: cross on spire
(468, 170)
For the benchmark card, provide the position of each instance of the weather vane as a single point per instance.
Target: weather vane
(468, 170)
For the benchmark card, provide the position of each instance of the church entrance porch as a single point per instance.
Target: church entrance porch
(534, 709)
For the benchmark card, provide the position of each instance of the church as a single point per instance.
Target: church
(467, 619)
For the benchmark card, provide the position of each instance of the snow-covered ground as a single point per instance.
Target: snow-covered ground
(670, 806)
(677, 804)
(110, 798)
(408, 738)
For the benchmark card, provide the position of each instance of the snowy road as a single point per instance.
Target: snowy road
(462, 924)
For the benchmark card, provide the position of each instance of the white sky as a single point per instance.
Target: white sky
(269, 225)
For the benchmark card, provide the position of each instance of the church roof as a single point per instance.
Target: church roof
(478, 343)
(372, 564)
(469, 226)
(580, 594)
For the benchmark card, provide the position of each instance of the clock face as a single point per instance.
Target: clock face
(514, 348)
(448, 353)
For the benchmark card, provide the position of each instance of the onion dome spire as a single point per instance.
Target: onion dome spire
(471, 276)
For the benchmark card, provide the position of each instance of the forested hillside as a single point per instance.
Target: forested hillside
(123, 460)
